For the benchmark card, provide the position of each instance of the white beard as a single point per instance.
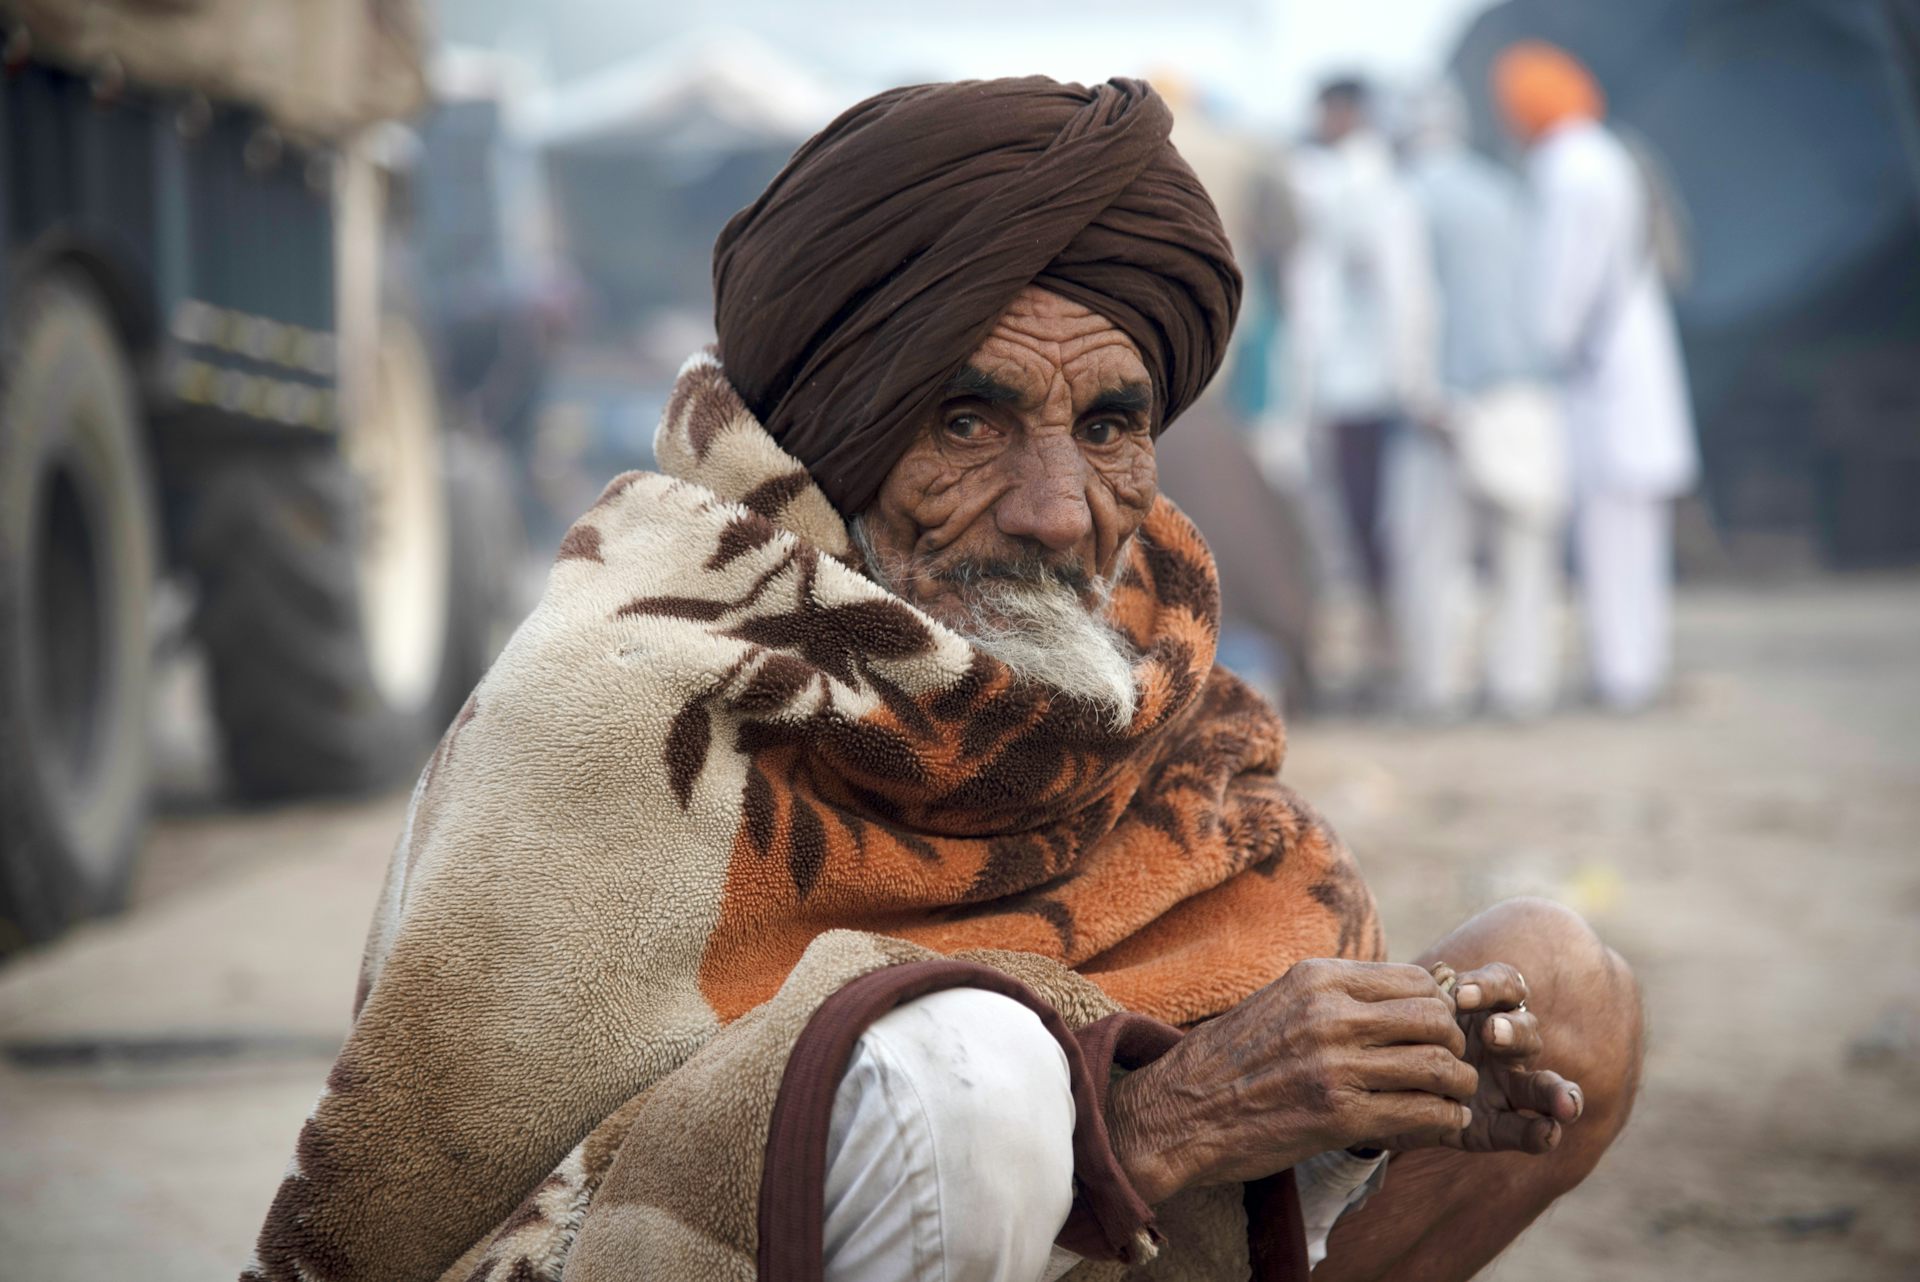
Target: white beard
(1042, 631)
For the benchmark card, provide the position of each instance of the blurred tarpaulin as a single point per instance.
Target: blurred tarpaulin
(649, 157)
(1903, 28)
(707, 91)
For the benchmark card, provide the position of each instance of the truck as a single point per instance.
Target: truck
(213, 374)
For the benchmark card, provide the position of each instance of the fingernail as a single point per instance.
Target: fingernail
(1466, 1117)
(1467, 996)
(1500, 1030)
(1579, 1102)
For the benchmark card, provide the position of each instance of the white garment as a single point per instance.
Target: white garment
(1512, 443)
(950, 1154)
(1522, 640)
(1502, 487)
(1603, 319)
(1428, 519)
(1624, 544)
(1434, 525)
(1330, 1185)
(1360, 306)
(1512, 440)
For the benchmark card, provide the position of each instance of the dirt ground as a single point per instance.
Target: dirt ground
(1750, 848)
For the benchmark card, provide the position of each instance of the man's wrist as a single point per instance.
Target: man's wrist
(1143, 1144)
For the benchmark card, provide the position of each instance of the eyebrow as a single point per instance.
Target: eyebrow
(1127, 398)
(973, 383)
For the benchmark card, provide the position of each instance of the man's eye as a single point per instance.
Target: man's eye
(967, 427)
(1104, 432)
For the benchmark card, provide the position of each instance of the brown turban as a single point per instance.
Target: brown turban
(875, 264)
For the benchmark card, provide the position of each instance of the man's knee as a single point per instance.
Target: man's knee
(1584, 994)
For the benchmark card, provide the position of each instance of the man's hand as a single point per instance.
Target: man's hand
(1326, 1056)
(1515, 1109)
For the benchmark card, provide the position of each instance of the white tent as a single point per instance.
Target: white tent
(706, 91)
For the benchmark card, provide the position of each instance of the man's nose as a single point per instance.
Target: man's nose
(1048, 500)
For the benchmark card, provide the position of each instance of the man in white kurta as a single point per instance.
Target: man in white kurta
(1604, 322)
(1360, 317)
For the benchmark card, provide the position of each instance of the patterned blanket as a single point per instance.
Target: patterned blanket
(714, 742)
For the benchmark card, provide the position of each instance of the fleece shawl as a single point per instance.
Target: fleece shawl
(714, 743)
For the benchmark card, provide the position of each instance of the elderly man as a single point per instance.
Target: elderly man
(820, 882)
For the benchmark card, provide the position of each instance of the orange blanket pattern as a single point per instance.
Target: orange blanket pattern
(713, 741)
(1166, 862)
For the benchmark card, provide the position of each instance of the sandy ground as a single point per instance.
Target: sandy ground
(1750, 848)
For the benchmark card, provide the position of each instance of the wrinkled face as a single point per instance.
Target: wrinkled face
(1037, 464)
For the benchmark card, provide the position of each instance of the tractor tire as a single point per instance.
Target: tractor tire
(489, 594)
(334, 595)
(78, 555)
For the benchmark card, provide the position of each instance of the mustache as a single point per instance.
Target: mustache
(1025, 571)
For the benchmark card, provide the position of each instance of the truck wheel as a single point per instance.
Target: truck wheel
(77, 562)
(325, 578)
(488, 596)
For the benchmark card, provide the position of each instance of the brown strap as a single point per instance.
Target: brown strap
(1108, 1217)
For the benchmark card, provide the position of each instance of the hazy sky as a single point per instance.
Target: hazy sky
(1261, 57)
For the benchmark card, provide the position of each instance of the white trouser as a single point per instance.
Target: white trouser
(950, 1155)
(1432, 525)
(1522, 655)
(1427, 525)
(1624, 544)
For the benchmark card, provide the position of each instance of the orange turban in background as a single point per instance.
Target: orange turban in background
(1539, 85)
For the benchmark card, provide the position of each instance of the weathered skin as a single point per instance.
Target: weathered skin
(1447, 1212)
(1443, 1067)
(1049, 473)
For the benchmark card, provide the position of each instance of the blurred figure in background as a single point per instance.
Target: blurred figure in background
(1259, 542)
(1360, 308)
(1495, 474)
(1603, 318)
